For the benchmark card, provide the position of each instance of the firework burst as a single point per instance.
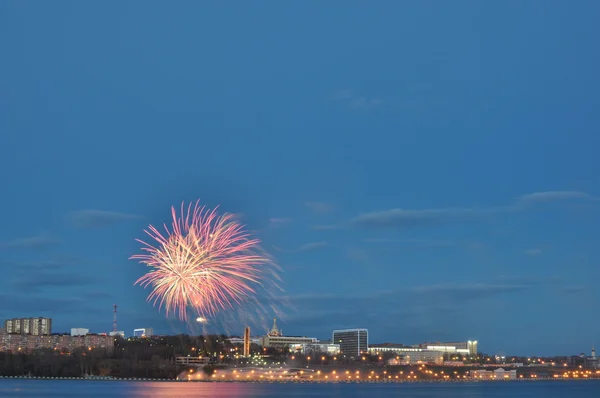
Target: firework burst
(206, 262)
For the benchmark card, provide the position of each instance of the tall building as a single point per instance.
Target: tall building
(353, 342)
(29, 326)
(247, 341)
(143, 332)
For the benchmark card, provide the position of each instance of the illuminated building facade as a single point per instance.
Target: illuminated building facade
(19, 342)
(496, 374)
(143, 332)
(79, 331)
(408, 355)
(463, 348)
(29, 326)
(353, 342)
(315, 348)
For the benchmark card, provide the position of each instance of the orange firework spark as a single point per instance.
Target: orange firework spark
(206, 262)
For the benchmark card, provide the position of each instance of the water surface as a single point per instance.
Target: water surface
(10, 388)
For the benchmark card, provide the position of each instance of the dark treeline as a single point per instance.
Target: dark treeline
(144, 358)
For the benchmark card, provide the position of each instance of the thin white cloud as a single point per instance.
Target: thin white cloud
(306, 247)
(420, 299)
(356, 101)
(326, 227)
(99, 218)
(413, 218)
(422, 217)
(573, 289)
(412, 242)
(275, 222)
(470, 290)
(553, 196)
(41, 280)
(319, 207)
(533, 252)
(30, 243)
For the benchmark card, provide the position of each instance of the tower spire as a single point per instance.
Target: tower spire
(274, 331)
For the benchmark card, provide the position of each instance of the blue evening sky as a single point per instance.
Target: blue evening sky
(427, 169)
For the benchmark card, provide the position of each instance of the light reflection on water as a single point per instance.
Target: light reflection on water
(95, 389)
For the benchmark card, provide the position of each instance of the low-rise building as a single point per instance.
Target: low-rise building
(464, 348)
(285, 341)
(18, 342)
(79, 331)
(407, 355)
(316, 348)
(192, 361)
(496, 374)
(143, 332)
(276, 339)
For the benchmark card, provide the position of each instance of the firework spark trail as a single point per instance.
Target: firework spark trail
(205, 261)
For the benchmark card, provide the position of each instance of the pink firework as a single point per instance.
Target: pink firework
(206, 262)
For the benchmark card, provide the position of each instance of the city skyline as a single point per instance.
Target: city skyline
(425, 171)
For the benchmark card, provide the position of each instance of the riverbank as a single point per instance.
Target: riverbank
(98, 378)
(296, 381)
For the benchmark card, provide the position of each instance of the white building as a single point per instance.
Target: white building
(143, 332)
(408, 355)
(496, 374)
(276, 339)
(463, 348)
(79, 331)
(117, 333)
